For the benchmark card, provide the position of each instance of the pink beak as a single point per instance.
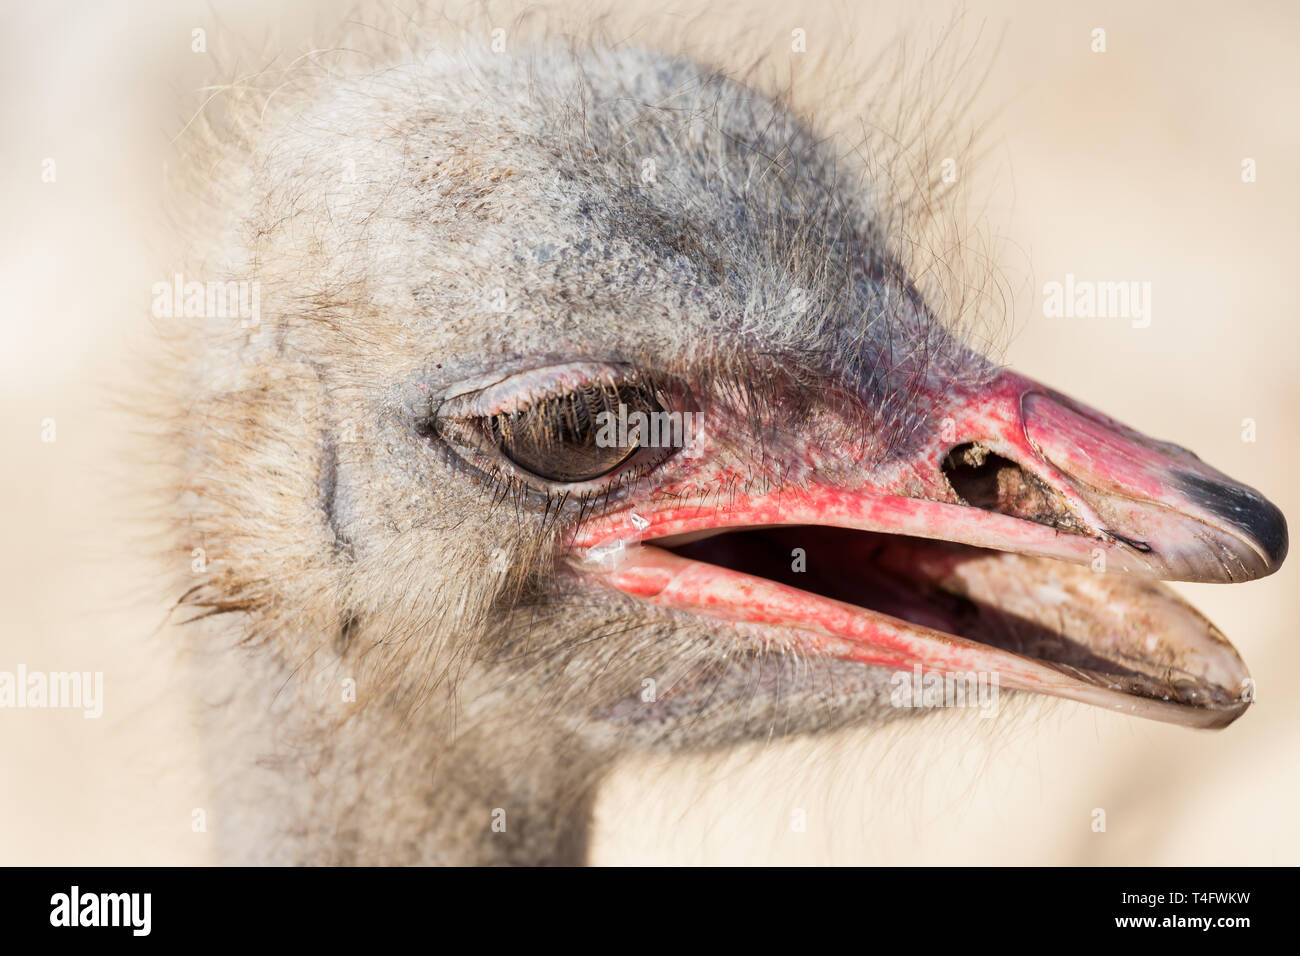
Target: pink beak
(1019, 539)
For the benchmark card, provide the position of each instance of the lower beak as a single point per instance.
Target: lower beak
(992, 545)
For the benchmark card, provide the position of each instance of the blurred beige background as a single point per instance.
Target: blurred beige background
(1122, 165)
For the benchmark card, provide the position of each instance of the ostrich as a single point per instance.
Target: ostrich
(440, 596)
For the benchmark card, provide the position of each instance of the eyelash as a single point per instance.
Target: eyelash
(473, 437)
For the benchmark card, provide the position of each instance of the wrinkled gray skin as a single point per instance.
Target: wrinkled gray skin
(393, 655)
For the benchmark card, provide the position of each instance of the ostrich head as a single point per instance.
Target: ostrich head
(592, 407)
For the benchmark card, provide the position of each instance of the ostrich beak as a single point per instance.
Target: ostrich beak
(1021, 540)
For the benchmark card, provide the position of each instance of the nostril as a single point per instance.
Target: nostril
(972, 471)
(986, 480)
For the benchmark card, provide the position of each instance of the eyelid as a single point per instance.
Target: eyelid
(495, 396)
(467, 410)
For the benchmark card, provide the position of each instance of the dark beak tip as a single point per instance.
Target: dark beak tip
(1258, 520)
(1275, 541)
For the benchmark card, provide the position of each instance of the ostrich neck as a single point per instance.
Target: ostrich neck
(294, 780)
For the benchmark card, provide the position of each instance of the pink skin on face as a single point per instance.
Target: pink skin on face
(1125, 503)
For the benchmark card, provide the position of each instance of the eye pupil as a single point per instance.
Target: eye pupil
(562, 439)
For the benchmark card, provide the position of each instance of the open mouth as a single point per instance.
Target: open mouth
(1033, 558)
(959, 605)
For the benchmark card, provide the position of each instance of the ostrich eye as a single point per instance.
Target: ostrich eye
(581, 428)
(578, 436)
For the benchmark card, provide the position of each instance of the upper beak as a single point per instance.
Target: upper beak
(1014, 467)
